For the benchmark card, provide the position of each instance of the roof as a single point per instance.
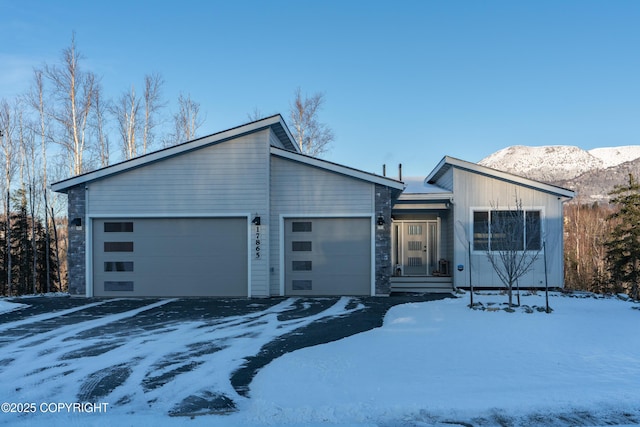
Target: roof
(276, 123)
(448, 162)
(335, 167)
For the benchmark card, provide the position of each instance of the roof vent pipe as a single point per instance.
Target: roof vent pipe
(399, 171)
(384, 170)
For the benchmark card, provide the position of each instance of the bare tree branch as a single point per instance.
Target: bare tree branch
(312, 137)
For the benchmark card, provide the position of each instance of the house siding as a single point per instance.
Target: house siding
(299, 190)
(222, 179)
(476, 191)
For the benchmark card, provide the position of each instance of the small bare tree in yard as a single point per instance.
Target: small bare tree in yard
(514, 243)
(312, 137)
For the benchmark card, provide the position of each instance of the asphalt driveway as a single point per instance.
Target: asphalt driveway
(132, 351)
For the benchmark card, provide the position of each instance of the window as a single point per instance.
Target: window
(301, 265)
(118, 246)
(301, 226)
(118, 266)
(118, 227)
(507, 230)
(301, 246)
(114, 286)
(301, 285)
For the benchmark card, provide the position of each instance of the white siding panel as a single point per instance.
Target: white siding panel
(299, 189)
(478, 191)
(224, 178)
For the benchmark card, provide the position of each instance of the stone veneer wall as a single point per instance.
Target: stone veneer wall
(76, 261)
(384, 200)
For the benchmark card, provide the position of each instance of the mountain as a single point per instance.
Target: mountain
(592, 174)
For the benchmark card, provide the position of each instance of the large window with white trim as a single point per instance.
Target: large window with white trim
(507, 230)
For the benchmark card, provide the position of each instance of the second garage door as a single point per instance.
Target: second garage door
(327, 256)
(170, 257)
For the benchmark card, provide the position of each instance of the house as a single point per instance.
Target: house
(238, 213)
(242, 213)
(442, 228)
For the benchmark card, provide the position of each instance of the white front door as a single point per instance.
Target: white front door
(419, 247)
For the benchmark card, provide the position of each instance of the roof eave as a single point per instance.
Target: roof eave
(335, 167)
(448, 162)
(275, 122)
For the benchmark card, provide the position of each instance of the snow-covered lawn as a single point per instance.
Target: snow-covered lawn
(431, 363)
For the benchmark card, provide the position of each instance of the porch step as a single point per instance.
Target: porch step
(422, 284)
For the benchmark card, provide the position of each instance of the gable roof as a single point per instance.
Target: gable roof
(335, 167)
(276, 123)
(450, 162)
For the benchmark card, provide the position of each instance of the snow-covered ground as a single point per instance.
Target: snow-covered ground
(431, 363)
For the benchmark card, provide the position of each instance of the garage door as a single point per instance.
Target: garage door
(327, 256)
(170, 257)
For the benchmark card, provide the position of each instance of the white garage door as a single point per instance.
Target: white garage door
(170, 257)
(327, 256)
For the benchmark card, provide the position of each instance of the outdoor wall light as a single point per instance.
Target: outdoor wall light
(380, 221)
(256, 220)
(77, 222)
(460, 267)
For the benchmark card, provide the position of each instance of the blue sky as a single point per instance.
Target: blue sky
(405, 81)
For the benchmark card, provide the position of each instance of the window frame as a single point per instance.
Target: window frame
(527, 212)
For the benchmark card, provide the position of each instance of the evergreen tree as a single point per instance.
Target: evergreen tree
(623, 247)
(22, 265)
(41, 248)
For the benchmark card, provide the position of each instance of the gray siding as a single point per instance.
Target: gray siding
(226, 178)
(478, 191)
(299, 189)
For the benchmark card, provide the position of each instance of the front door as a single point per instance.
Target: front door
(419, 247)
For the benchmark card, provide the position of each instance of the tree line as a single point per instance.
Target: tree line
(65, 125)
(602, 243)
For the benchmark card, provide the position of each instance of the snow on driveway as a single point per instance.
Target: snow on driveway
(432, 363)
(182, 366)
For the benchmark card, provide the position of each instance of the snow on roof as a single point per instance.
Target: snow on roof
(418, 185)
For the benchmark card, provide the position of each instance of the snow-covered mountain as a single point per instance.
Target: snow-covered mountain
(592, 174)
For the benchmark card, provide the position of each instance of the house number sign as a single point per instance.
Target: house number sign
(257, 245)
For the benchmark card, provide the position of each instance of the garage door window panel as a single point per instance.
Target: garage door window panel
(118, 246)
(301, 265)
(118, 286)
(301, 246)
(301, 285)
(301, 227)
(118, 266)
(118, 227)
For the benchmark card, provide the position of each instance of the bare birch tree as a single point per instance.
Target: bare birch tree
(152, 104)
(255, 115)
(29, 178)
(514, 243)
(7, 140)
(187, 121)
(73, 90)
(312, 137)
(35, 98)
(126, 111)
(99, 123)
